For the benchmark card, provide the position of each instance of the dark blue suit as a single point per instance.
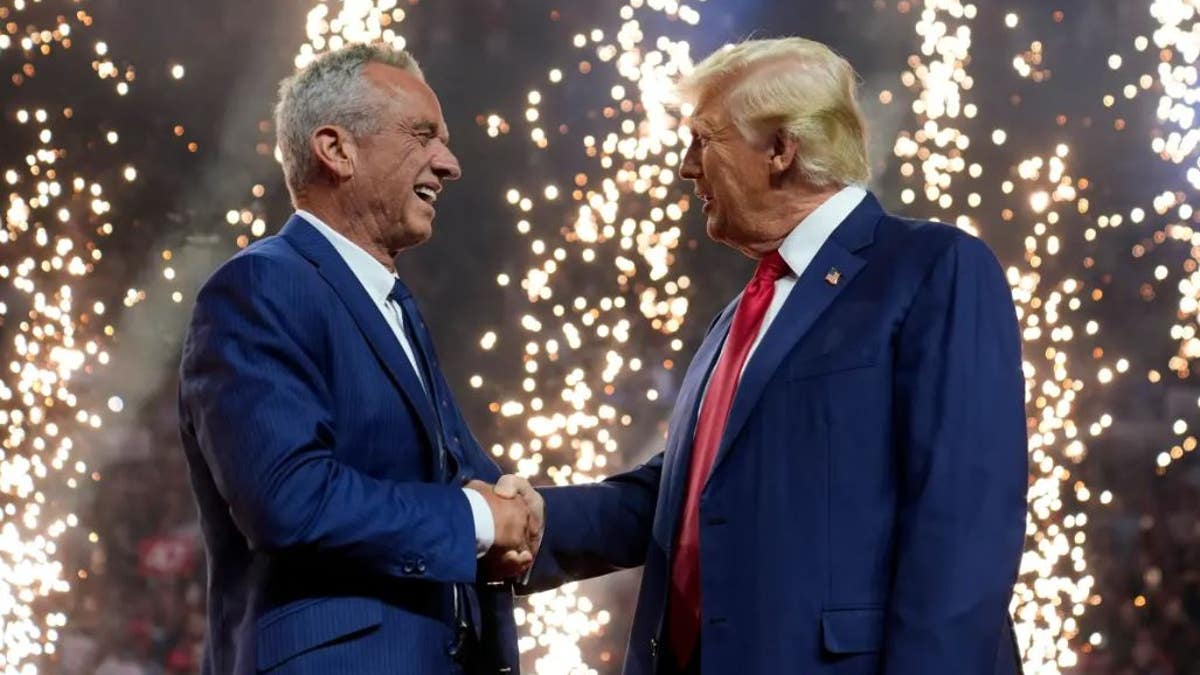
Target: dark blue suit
(334, 537)
(866, 510)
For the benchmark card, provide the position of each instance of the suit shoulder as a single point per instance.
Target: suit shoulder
(264, 261)
(919, 233)
(925, 242)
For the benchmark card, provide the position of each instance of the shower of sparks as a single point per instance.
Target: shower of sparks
(356, 21)
(590, 355)
(1054, 587)
(1176, 140)
(940, 81)
(54, 219)
(39, 41)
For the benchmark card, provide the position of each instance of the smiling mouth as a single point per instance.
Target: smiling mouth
(427, 194)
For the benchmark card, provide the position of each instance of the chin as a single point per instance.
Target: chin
(418, 237)
(414, 234)
(725, 234)
(716, 229)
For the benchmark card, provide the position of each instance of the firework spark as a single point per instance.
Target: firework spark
(54, 221)
(590, 357)
(1177, 141)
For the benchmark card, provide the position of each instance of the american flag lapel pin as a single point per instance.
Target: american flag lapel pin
(833, 276)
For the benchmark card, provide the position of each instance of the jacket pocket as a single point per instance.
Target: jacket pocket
(832, 363)
(852, 631)
(299, 627)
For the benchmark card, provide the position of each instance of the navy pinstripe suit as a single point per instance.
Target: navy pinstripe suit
(333, 545)
(866, 511)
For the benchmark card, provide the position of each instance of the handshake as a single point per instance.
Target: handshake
(518, 514)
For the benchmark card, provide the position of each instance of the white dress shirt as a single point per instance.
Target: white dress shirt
(377, 281)
(800, 247)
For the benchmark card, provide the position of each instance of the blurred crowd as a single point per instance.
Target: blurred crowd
(1144, 551)
(139, 607)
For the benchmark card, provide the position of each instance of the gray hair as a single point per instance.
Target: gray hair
(330, 90)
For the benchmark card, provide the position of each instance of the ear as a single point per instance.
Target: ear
(335, 150)
(783, 151)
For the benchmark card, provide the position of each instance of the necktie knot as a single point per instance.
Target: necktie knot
(771, 268)
(400, 292)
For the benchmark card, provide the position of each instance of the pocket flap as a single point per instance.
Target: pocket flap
(301, 626)
(849, 359)
(852, 631)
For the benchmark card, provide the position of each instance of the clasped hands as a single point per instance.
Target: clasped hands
(518, 514)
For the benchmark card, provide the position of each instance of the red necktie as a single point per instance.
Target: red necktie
(684, 599)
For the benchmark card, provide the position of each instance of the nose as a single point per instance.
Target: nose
(445, 164)
(690, 167)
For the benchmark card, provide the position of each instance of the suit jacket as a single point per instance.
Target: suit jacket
(333, 543)
(866, 510)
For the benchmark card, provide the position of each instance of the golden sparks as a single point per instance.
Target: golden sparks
(54, 219)
(588, 359)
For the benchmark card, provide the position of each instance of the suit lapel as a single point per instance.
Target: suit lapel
(313, 246)
(830, 272)
(682, 426)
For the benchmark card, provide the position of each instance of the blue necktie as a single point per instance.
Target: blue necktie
(422, 346)
(418, 339)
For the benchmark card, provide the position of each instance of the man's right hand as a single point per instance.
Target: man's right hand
(510, 555)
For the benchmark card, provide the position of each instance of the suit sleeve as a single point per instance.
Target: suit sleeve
(598, 528)
(962, 453)
(255, 400)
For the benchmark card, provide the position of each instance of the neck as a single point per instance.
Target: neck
(786, 210)
(358, 226)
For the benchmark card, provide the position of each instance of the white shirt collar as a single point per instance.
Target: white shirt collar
(802, 243)
(376, 279)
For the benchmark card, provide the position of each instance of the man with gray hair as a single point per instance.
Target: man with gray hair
(843, 485)
(347, 510)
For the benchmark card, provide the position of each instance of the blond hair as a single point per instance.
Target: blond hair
(800, 86)
(331, 90)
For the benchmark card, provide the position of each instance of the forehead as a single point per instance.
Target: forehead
(709, 112)
(414, 97)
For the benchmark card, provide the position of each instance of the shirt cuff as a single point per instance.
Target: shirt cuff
(485, 527)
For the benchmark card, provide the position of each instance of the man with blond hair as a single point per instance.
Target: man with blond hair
(346, 510)
(843, 485)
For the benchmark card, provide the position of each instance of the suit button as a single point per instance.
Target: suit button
(408, 567)
(653, 648)
(420, 567)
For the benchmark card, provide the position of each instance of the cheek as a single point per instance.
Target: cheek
(403, 163)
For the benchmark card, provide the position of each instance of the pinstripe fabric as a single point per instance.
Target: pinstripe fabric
(331, 547)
